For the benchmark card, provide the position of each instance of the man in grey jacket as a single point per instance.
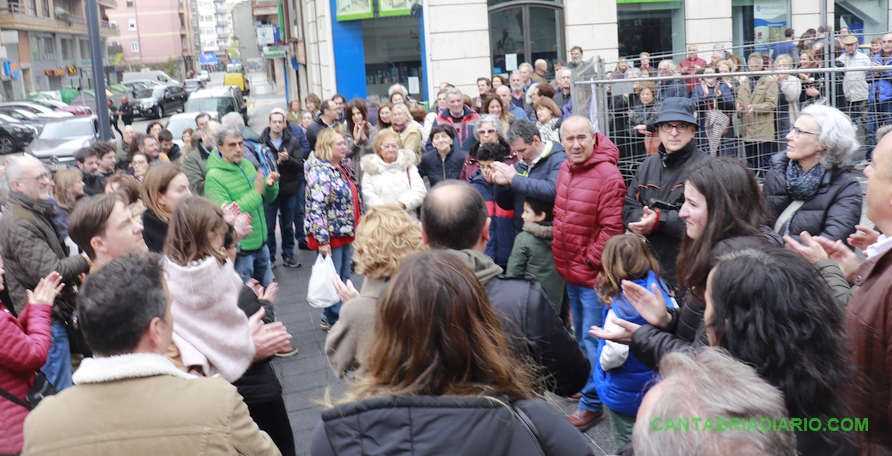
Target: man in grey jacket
(854, 86)
(31, 248)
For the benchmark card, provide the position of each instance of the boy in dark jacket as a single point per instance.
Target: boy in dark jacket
(501, 228)
(531, 253)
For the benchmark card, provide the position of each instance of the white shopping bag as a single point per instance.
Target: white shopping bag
(321, 290)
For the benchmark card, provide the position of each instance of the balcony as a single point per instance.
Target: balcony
(223, 47)
(182, 30)
(18, 17)
(221, 10)
(223, 23)
(223, 35)
(113, 4)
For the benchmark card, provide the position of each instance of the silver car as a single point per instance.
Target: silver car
(60, 140)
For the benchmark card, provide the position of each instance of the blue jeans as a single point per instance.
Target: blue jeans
(341, 258)
(58, 363)
(254, 264)
(880, 114)
(300, 211)
(284, 204)
(587, 310)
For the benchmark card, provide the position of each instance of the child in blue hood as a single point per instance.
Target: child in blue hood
(622, 380)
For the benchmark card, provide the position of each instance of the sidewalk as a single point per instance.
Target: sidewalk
(306, 377)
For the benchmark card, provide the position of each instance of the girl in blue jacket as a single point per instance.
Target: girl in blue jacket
(622, 380)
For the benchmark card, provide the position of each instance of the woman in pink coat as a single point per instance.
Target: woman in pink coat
(24, 345)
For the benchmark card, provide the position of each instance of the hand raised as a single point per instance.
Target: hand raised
(650, 304)
(623, 336)
(46, 290)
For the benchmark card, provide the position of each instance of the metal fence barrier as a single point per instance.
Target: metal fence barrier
(617, 106)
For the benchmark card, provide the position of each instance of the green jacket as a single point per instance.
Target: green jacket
(532, 255)
(228, 182)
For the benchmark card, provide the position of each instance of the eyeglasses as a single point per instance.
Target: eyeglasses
(797, 131)
(488, 131)
(681, 128)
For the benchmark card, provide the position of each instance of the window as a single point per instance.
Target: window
(129, 3)
(67, 49)
(35, 48)
(49, 49)
(134, 46)
(113, 23)
(524, 33)
(131, 24)
(657, 28)
(85, 50)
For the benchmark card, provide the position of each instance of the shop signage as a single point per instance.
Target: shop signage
(274, 52)
(395, 7)
(351, 10)
(266, 34)
(56, 72)
(769, 21)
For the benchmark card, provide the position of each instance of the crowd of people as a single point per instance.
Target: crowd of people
(504, 258)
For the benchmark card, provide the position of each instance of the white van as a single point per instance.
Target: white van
(149, 74)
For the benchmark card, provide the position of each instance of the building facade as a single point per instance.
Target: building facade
(155, 33)
(245, 29)
(46, 45)
(360, 47)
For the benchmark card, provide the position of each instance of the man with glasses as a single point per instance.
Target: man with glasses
(660, 177)
(534, 176)
(328, 118)
(31, 248)
(880, 94)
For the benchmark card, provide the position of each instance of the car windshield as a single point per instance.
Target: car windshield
(57, 130)
(176, 126)
(222, 104)
(149, 92)
(191, 84)
(9, 119)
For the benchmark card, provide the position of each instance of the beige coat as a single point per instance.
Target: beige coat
(140, 404)
(759, 125)
(348, 340)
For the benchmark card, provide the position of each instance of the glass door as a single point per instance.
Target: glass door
(525, 33)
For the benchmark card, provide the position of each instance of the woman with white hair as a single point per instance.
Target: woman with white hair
(808, 187)
(409, 133)
(487, 129)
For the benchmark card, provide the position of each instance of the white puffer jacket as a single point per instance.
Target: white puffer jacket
(397, 182)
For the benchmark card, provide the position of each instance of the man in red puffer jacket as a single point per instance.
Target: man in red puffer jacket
(588, 211)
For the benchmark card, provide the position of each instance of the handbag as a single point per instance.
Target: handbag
(530, 427)
(41, 389)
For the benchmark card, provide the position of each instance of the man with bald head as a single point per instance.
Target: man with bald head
(539, 70)
(454, 218)
(588, 210)
(31, 248)
(195, 164)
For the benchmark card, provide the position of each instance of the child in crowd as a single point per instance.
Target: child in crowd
(532, 250)
(621, 379)
(501, 227)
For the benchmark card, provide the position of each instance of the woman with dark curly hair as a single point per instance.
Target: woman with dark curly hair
(723, 211)
(766, 307)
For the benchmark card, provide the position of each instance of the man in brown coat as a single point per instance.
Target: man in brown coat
(130, 399)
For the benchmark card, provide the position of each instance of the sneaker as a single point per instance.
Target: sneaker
(290, 262)
(324, 325)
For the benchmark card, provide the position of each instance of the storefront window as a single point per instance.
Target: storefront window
(525, 33)
(657, 28)
(392, 49)
(867, 19)
(758, 23)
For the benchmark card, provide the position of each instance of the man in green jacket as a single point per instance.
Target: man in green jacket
(232, 179)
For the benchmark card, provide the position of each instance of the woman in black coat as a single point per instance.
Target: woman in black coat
(163, 186)
(809, 187)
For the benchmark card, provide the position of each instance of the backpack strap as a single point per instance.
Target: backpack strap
(12, 398)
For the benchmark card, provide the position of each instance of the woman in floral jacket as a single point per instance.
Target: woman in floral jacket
(333, 207)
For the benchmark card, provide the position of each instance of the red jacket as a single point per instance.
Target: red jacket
(689, 64)
(24, 346)
(588, 210)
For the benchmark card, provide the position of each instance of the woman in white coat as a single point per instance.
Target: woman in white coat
(391, 176)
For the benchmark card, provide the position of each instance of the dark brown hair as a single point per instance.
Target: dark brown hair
(357, 103)
(154, 184)
(189, 236)
(438, 334)
(89, 218)
(128, 186)
(626, 257)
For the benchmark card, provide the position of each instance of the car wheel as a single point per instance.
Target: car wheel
(160, 112)
(7, 145)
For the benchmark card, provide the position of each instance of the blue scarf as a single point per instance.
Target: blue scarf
(803, 185)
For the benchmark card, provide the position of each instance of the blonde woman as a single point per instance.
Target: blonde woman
(69, 188)
(385, 237)
(789, 89)
(391, 175)
(410, 134)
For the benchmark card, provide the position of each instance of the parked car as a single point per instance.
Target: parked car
(38, 109)
(155, 101)
(204, 76)
(237, 80)
(194, 85)
(179, 122)
(59, 140)
(25, 116)
(149, 75)
(14, 136)
(218, 100)
(56, 105)
(14, 121)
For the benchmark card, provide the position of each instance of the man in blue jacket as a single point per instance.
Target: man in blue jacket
(880, 94)
(534, 176)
